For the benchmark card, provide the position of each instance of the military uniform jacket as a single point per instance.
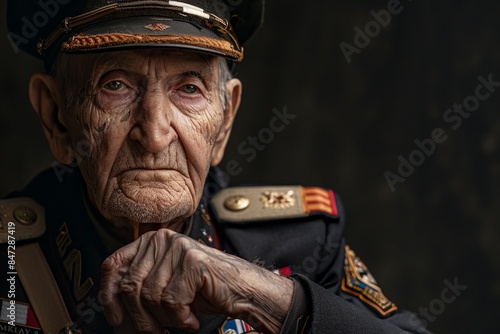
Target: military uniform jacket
(295, 231)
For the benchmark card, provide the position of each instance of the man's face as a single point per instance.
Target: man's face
(154, 123)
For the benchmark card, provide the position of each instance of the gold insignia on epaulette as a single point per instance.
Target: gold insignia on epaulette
(358, 281)
(278, 199)
(240, 204)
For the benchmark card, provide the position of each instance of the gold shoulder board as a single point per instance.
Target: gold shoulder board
(21, 219)
(240, 204)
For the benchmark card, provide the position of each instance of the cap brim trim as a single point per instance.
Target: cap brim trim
(81, 42)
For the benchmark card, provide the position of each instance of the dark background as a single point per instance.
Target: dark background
(352, 122)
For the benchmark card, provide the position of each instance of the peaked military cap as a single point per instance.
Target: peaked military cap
(45, 27)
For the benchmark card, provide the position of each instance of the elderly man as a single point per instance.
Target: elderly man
(137, 104)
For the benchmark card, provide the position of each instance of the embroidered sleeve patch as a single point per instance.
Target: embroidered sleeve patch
(359, 282)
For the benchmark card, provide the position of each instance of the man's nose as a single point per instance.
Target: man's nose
(153, 122)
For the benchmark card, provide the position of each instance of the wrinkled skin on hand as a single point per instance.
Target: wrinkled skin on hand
(165, 279)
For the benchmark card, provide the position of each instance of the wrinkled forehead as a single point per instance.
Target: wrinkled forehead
(159, 59)
(144, 59)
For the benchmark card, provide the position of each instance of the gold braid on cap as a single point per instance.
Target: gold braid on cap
(84, 42)
(213, 22)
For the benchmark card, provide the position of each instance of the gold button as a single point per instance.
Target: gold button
(237, 203)
(25, 215)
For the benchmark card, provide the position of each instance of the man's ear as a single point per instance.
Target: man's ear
(234, 90)
(45, 99)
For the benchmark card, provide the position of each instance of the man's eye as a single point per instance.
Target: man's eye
(189, 89)
(115, 85)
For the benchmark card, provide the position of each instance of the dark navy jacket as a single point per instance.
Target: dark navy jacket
(337, 292)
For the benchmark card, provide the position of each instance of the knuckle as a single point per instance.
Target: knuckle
(194, 256)
(147, 238)
(179, 240)
(110, 264)
(186, 246)
(130, 287)
(104, 297)
(134, 267)
(144, 327)
(164, 233)
(150, 298)
(170, 302)
(175, 308)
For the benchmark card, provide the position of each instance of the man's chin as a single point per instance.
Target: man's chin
(150, 207)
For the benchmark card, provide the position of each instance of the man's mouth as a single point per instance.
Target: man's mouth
(141, 172)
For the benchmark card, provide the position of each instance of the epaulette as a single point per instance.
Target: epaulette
(21, 219)
(249, 204)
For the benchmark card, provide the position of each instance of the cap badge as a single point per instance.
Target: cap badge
(156, 26)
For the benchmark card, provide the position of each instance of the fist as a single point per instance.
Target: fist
(164, 279)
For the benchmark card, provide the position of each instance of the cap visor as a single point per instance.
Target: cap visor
(147, 31)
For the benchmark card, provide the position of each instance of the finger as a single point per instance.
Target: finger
(181, 291)
(175, 247)
(166, 260)
(132, 283)
(112, 271)
(177, 304)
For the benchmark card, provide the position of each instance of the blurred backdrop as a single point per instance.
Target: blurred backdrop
(380, 101)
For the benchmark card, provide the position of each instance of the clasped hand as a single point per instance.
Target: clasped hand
(165, 279)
